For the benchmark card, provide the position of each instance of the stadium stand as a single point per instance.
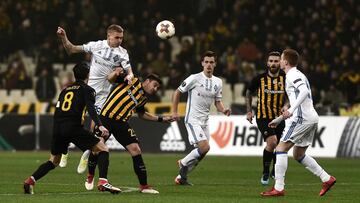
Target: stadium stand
(324, 32)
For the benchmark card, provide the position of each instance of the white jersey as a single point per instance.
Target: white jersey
(305, 112)
(202, 92)
(104, 60)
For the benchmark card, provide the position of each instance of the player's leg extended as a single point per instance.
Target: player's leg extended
(140, 168)
(198, 136)
(103, 162)
(311, 164)
(301, 145)
(41, 172)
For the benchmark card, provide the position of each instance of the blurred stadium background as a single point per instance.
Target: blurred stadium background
(34, 66)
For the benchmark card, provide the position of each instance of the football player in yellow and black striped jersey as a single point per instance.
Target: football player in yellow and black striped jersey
(122, 102)
(270, 89)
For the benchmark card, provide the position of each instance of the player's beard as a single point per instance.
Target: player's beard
(274, 69)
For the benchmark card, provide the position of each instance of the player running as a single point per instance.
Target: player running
(301, 121)
(203, 89)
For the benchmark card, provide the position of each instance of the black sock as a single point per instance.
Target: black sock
(43, 170)
(140, 169)
(267, 157)
(93, 159)
(103, 162)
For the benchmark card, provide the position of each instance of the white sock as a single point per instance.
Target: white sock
(280, 170)
(311, 165)
(191, 159)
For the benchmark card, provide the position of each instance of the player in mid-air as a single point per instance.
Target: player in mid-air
(108, 61)
(270, 89)
(123, 100)
(68, 128)
(300, 127)
(203, 89)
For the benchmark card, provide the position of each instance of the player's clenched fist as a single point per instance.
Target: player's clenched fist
(60, 32)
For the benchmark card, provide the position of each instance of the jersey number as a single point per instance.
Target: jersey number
(66, 105)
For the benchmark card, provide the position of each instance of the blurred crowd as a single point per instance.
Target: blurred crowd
(242, 32)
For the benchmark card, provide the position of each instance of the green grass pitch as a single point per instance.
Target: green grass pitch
(216, 179)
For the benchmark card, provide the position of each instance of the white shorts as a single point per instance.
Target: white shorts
(99, 103)
(301, 135)
(197, 133)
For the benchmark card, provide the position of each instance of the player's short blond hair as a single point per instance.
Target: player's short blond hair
(114, 28)
(291, 56)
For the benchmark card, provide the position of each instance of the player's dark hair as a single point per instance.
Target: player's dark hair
(209, 54)
(114, 28)
(154, 77)
(274, 53)
(291, 56)
(81, 71)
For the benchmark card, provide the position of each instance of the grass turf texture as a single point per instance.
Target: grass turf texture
(216, 179)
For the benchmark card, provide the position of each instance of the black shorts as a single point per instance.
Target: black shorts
(122, 131)
(65, 132)
(266, 131)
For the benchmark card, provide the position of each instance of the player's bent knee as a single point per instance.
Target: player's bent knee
(134, 149)
(55, 159)
(100, 147)
(204, 149)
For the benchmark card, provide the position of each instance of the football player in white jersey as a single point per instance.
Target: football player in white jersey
(300, 127)
(109, 60)
(203, 89)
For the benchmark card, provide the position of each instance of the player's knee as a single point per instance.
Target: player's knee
(55, 160)
(204, 149)
(100, 147)
(298, 155)
(134, 149)
(271, 143)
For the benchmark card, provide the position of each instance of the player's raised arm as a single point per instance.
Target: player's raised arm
(69, 47)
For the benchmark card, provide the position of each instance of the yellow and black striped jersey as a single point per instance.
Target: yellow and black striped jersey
(270, 94)
(123, 100)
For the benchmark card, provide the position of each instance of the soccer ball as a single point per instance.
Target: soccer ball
(165, 29)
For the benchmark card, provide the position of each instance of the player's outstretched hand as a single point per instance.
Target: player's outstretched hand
(104, 132)
(227, 112)
(175, 116)
(61, 32)
(274, 123)
(129, 77)
(249, 116)
(168, 119)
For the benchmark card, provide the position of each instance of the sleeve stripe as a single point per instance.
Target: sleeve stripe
(300, 85)
(297, 80)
